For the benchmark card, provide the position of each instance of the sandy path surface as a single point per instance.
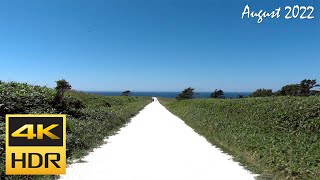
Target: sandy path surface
(156, 145)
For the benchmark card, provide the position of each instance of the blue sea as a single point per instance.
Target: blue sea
(170, 94)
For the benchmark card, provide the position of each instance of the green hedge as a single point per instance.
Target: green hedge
(274, 136)
(90, 118)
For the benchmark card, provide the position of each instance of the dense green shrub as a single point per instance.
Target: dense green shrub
(22, 98)
(126, 93)
(70, 105)
(66, 104)
(262, 93)
(187, 93)
(277, 136)
(305, 88)
(217, 94)
(61, 87)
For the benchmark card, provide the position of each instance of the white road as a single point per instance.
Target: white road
(157, 145)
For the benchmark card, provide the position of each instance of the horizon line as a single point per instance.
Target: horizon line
(165, 91)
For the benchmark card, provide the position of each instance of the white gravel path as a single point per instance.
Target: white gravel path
(157, 145)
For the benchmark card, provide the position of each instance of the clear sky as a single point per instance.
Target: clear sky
(156, 45)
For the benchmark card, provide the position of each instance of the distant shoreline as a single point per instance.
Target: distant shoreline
(168, 94)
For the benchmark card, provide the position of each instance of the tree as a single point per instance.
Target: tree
(217, 94)
(126, 93)
(62, 85)
(290, 90)
(307, 85)
(262, 93)
(66, 105)
(61, 88)
(303, 89)
(186, 94)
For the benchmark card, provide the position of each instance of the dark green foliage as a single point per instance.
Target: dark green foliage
(126, 93)
(23, 99)
(262, 93)
(186, 94)
(307, 85)
(70, 105)
(217, 94)
(240, 96)
(62, 85)
(107, 104)
(66, 105)
(290, 90)
(303, 89)
(275, 136)
(18, 98)
(90, 118)
(61, 88)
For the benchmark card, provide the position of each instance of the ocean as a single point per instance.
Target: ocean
(170, 94)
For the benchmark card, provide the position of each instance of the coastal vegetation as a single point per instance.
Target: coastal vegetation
(90, 118)
(275, 134)
(262, 93)
(217, 94)
(187, 93)
(305, 88)
(126, 93)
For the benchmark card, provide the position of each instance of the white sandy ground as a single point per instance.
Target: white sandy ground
(157, 145)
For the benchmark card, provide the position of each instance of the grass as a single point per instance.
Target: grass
(277, 137)
(88, 124)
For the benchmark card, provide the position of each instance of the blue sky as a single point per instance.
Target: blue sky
(156, 45)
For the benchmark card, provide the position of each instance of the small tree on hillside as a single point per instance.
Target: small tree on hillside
(307, 85)
(126, 93)
(61, 88)
(217, 94)
(66, 104)
(186, 94)
(262, 93)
